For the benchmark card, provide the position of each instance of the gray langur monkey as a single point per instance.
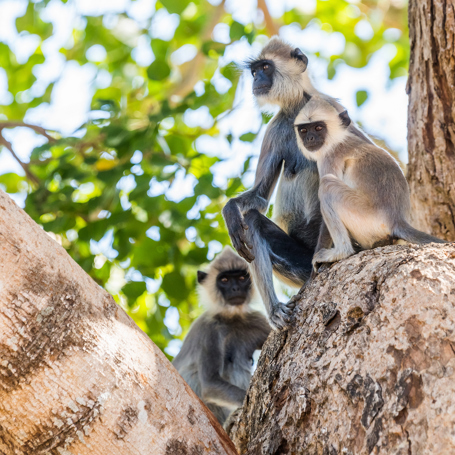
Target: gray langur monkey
(284, 246)
(216, 355)
(363, 192)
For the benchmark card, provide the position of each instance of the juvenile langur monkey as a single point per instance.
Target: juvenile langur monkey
(216, 356)
(363, 193)
(284, 246)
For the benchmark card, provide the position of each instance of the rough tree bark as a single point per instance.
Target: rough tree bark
(368, 365)
(431, 116)
(77, 376)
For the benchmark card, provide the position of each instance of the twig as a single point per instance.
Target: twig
(269, 22)
(32, 177)
(15, 124)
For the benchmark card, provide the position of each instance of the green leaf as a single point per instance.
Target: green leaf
(159, 48)
(208, 46)
(236, 31)
(32, 23)
(248, 137)
(174, 286)
(361, 96)
(133, 290)
(175, 6)
(158, 70)
(13, 183)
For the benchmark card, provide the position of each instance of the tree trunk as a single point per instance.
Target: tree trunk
(368, 365)
(431, 116)
(77, 376)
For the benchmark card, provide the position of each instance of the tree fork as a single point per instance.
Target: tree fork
(77, 376)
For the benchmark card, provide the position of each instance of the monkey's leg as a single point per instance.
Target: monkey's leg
(335, 195)
(275, 251)
(324, 241)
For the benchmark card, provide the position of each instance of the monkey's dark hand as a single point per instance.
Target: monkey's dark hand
(281, 315)
(237, 230)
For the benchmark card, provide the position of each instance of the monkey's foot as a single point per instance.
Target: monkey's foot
(232, 419)
(330, 255)
(317, 269)
(281, 314)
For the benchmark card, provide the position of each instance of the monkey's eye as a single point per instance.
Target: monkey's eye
(242, 277)
(253, 73)
(318, 128)
(266, 66)
(303, 130)
(224, 280)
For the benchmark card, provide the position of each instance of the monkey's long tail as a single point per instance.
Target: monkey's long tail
(406, 232)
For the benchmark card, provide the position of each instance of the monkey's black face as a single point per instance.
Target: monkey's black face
(234, 285)
(313, 135)
(263, 72)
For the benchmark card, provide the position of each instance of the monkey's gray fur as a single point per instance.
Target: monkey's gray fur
(216, 356)
(285, 246)
(363, 192)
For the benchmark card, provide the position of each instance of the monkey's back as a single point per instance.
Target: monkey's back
(383, 180)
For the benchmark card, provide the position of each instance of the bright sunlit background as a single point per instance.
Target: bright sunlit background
(152, 126)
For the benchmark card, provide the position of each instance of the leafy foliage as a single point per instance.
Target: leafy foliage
(110, 194)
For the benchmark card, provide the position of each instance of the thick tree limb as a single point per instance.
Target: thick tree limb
(77, 376)
(368, 366)
(270, 25)
(191, 70)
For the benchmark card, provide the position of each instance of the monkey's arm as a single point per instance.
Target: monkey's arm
(215, 389)
(267, 173)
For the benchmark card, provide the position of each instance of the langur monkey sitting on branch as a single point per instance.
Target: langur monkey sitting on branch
(283, 246)
(363, 193)
(216, 356)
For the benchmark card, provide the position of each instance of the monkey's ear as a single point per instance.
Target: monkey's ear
(345, 119)
(201, 276)
(306, 97)
(298, 54)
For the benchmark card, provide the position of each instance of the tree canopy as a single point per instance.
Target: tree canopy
(132, 193)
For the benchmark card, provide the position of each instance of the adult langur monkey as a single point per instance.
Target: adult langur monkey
(284, 246)
(216, 356)
(363, 192)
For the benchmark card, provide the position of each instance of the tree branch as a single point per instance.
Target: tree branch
(269, 22)
(36, 128)
(32, 177)
(192, 69)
